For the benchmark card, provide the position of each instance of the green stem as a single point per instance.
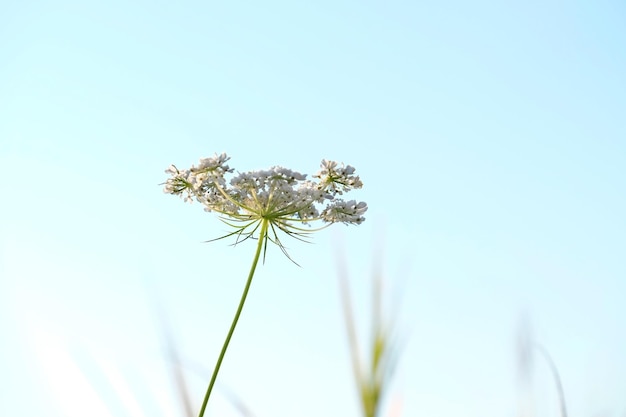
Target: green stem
(263, 232)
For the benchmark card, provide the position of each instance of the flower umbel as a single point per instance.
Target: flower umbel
(259, 204)
(285, 198)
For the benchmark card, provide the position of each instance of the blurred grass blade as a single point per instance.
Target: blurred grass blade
(172, 354)
(374, 380)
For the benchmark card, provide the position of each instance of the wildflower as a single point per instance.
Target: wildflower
(259, 204)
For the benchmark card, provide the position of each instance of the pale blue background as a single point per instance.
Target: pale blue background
(491, 138)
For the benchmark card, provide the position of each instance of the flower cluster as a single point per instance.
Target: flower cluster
(277, 195)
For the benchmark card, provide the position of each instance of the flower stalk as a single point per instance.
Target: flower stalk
(255, 261)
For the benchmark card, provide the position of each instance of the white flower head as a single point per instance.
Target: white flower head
(338, 179)
(283, 198)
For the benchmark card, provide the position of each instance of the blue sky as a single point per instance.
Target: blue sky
(491, 141)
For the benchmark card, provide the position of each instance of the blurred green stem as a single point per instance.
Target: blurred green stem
(371, 382)
(262, 234)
